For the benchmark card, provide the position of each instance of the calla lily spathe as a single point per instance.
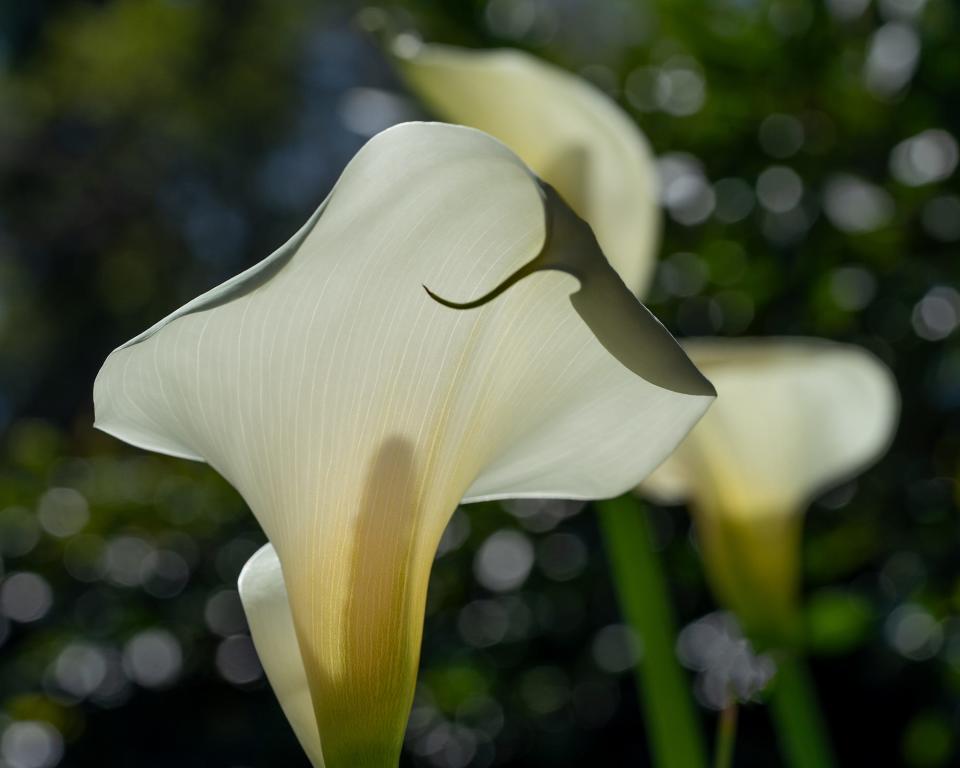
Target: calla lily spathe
(571, 134)
(353, 411)
(793, 417)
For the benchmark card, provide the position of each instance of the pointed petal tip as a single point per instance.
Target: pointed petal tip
(264, 560)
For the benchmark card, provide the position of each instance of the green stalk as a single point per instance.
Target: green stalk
(800, 727)
(726, 736)
(675, 736)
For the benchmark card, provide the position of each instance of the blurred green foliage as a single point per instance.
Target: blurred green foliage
(151, 148)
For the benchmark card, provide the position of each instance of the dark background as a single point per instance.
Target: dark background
(151, 148)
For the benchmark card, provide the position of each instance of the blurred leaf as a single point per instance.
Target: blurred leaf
(928, 740)
(837, 621)
(455, 683)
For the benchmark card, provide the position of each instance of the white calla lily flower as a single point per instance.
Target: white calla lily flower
(573, 136)
(793, 418)
(353, 411)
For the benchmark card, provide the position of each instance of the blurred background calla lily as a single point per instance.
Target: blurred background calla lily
(568, 131)
(353, 411)
(794, 417)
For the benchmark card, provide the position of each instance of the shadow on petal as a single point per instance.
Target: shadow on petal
(619, 322)
(362, 706)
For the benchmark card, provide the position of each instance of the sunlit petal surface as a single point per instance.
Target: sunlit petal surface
(353, 411)
(570, 133)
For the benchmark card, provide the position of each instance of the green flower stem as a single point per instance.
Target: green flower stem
(800, 726)
(675, 735)
(726, 736)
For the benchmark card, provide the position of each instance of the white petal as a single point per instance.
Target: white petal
(793, 417)
(264, 598)
(353, 411)
(571, 134)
